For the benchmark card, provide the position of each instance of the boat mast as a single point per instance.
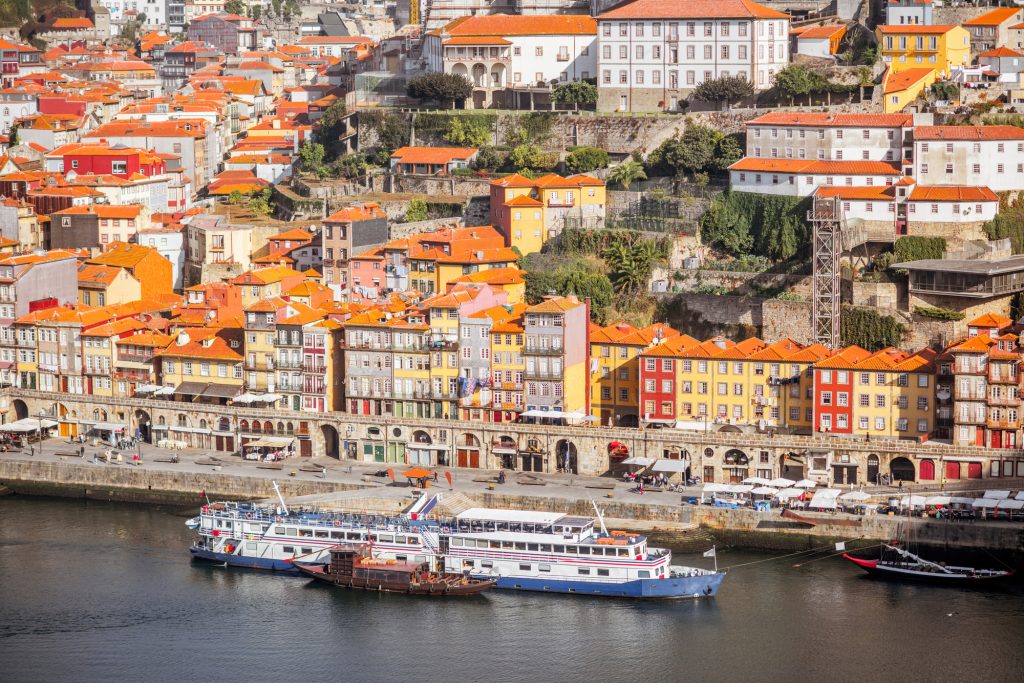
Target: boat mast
(600, 517)
(284, 505)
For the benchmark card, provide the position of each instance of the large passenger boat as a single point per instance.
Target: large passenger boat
(520, 550)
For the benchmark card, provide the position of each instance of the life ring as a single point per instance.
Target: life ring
(337, 522)
(248, 515)
(279, 519)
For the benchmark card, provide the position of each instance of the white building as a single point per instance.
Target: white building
(332, 46)
(828, 136)
(499, 51)
(796, 178)
(652, 53)
(907, 205)
(990, 156)
(903, 12)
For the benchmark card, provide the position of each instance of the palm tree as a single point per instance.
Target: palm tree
(631, 265)
(627, 173)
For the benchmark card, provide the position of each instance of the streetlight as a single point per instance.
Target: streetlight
(41, 413)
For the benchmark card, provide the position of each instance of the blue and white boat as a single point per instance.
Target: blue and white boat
(523, 550)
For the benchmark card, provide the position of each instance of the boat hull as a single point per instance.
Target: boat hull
(243, 561)
(436, 589)
(889, 573)
(654, 589)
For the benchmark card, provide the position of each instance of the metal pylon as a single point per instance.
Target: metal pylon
(826, 228)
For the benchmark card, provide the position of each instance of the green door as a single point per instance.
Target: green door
(373, 452)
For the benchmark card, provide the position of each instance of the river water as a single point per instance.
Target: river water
(98, 592)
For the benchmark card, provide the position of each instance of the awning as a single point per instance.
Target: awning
(270, 442)
(740, 488)
(1010, 505)
(715, 488)
(855, 496)
(781, 482)
(637, 460)
(417, 473)
(109, 426)
(997, 495)
(221, 390)
(498, 451)
(164, 391)
(667, 465)
(534, 412)
(913, 501)
(764, 491)
(938, 500)
(985, 503)
(147, 388)
(786, 494)
(27, 425)
(190, 388)
(757, 481)
(825, 498)
(956, 458)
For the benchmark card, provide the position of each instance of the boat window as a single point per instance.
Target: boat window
(307, 551)
(520, 545)
(544, 567)
(487, 563)
(292, 531)
(468, 563)
(402, 558)
(321, 534)
(414, 540)
(570, 550)
(585, 571)
(559, 548)
(278, 529)
(288, 549)
(400, 539)
(386, 537)
(353, 536)
(623, 552)
(305, 533)
(495, 544)
(531, 546)
(507, 544)
(545, 548)
(338, 535)
(525, 567)
(456, 542)
(583, 550)
(602, 572)
(644, 574)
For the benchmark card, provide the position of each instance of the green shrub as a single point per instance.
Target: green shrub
(938, 313)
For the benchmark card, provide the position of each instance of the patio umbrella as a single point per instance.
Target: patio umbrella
(781, 482)
(786, 494)
(912, 501)
(806, 484)
(759, 481)
(417, 473)
(855, 496)
(938, 500)
(764, 491)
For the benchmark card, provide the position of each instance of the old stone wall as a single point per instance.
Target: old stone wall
(400, 230)
(954, 233)
(743, 283)
(787, 319)
(434, 185)
(707, 315)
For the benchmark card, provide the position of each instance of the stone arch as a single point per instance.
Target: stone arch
(280, 426)
(20, 409)
(144, 423)
(902, 469)
(479, 76)
(161, 420)
(567, 457)
(224, 424)
(461, 70)
(268, 426)
(736, 465)
(257, 427)
(628, 420)
(467, 451)
(290, 427)
(99, 415)
(243, 425)
(331, 441)
(926, 469)
(202, 423)
(873, 469)
(183, 420)
(421, 436)
(791, 466)
(497, 76)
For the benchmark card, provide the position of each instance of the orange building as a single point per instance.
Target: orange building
(154, 272)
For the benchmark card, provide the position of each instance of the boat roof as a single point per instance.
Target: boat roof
(522, 516)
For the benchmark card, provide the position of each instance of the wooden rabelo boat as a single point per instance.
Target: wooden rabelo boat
(352, 566)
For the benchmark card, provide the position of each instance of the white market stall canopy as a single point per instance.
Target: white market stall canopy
(108, 427)
(855, 496)
(27, 425)
(667, 465)
(257, 398)
(997, 495)
(781, 482)
(715, 488)
(270, 442)
(912, 501)
(764, 491)
(825, 498)
(985, 503)
(786, 494)
(637, 460)
(1010, 505)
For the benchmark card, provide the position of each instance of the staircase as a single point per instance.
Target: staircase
(454, 503)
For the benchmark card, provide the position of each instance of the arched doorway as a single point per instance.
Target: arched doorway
(20, 409)
(901, 469)
(736, 462)
(873, 469)
(330, 436)
(419, 449)
(926, 470)
(480, 76)
(506, 448)
(791, 466)
(497, 76)
(144, 425)
(468, 451)
(223, 439)
(566, 457)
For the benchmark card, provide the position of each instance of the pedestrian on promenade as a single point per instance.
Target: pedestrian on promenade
(435, 476)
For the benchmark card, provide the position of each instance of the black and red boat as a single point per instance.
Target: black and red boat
(352, 566)
(899, 564)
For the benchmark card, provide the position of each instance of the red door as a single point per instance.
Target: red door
(927, 470)
(463, 458)
(952, 470)
(974, 470)
(997, 439)
(979, 436)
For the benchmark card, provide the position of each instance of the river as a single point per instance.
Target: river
(99, 591)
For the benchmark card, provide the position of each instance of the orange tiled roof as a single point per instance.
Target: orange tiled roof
(1001, 51)
(521, 25)
(991, 320)
(916, 28)
(830, 120)
(124, 255)
(896, 81)
(926, 133)
(693, 9)
(815, 167)
(128, 211)
(432, 155)
(477, 40)
(818, 32)
(995, 17)
(880, 193)
(72, 23)
(952, 193)
(559, 304)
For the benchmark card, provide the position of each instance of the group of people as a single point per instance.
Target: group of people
(656, 479)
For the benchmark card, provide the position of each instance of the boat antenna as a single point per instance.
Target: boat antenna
(600, 517)
(284, 505)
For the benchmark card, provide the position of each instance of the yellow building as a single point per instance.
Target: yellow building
(903, 87)
(528, 212)
(265, 283)
(509, 280)
(201, 364)
(260, 345)
(106, 285)
(916, 46)
(507, 362)
(135, 363)
(615, 371)
(557, 355)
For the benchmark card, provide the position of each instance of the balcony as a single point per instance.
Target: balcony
(1002, 424)
(367, 345)
(544, 350)
(261, 367)
(1012, 401)
(314, 368)
(289, 363)
(443, 344)
(1003, 378)
(978, 394)
(544, 374)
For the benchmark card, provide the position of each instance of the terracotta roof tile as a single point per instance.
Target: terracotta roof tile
(692, 9)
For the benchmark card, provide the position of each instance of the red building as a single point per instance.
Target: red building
(658, 380)
(833, 391)
(102, 160)
(62, 104)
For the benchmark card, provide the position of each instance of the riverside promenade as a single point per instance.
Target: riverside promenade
(56, 468)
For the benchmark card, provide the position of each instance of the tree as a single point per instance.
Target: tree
(725, 90)
(466, 133)
(700, 149)
(489, 159)
(440, 87)
(627, 173)
(351, 166)
(255, 11)
(797, 80)
(417, 211)
(529, 157)
(726, 227)
(311, 158)
(236, 197)
(631, 265)
(260, 203)
(575, 93)
(331, 126)
(583, 281)
(12, 137)
(275, 5)
(586, 159)
(235, 7)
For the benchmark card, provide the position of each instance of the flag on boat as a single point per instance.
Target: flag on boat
(841, 547)
(710, 553)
